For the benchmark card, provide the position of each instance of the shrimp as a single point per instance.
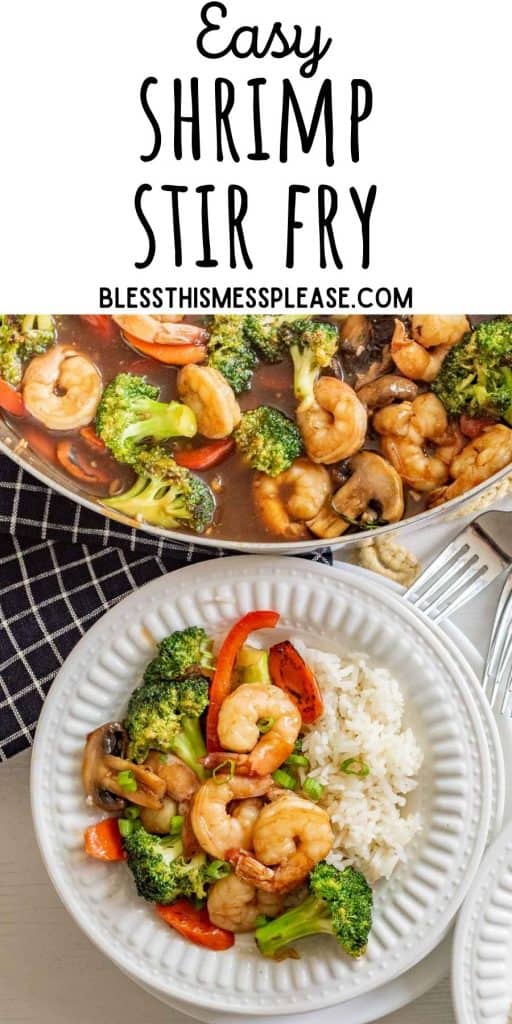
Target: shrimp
(406, 428)
(246, 813)
(478, 460)
(62, 388)
(333, 425)
(217, 830)
(235, 904)
(158, 819)
(432, 330)
(238, 726)
(212, 399)
(421, 356)
(161, 330)
(291, 835)
(284, 502)
(181, 783)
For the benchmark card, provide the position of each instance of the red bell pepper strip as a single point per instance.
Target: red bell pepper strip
(195, 925)
(103, 841)
(76, 465)
(42, 444)
(172, 355)
(221, 683)
(91, 438)
(472, 426)
(101, 323)
(11, 400)
(206, 457)
(290, 673)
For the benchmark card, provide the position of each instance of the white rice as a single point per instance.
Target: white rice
(363, 718)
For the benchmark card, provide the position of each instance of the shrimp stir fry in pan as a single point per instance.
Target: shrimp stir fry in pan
(252, 428)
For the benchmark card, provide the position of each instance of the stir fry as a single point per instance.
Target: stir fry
(257, 427)
(212, 803)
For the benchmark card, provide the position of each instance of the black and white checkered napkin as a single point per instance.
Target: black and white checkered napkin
(61, 567)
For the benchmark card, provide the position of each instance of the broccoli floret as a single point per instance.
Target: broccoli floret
(181, 651)
(266, 333)
(160, 870)
(129, 412)
(476, 375)
(230, 352)
(165, 494)
(312, 345)
(340, 904)
(267, 440)
(22, 337)
(164, 715)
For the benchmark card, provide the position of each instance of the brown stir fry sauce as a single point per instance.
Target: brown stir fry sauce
(97, 473)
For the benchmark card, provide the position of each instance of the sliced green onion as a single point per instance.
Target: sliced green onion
(298, 760)
(261, 920)
(221, 776)
(265, 725)
(313, 788)
(355, 766)
(125, 827)
(176, 825)
(297, 746)
(361, 525)
(218, 869)
(132, 813)
(126, 780)
(284, 779)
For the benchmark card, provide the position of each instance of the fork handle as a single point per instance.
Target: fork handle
(498, 639)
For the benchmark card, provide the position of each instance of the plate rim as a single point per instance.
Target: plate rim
(463, 930)
(265, 564)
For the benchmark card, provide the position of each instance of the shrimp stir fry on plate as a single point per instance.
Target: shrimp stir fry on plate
(237, 827)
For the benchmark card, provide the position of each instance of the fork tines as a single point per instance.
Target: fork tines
(497, 679)
(464, 568)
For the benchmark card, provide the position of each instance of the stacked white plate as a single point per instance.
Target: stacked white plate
(460, 795)
(482, 951)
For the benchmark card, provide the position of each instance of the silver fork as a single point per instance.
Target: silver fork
(476, 556)
(497, 678)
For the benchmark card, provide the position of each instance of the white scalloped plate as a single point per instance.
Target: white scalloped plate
(482, 952)
(428, 972)
(331, 610)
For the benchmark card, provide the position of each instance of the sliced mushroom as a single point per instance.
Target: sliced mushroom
(391, 387)
(355, 334)
(374, 490)
(103, 760)
(365, 347)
